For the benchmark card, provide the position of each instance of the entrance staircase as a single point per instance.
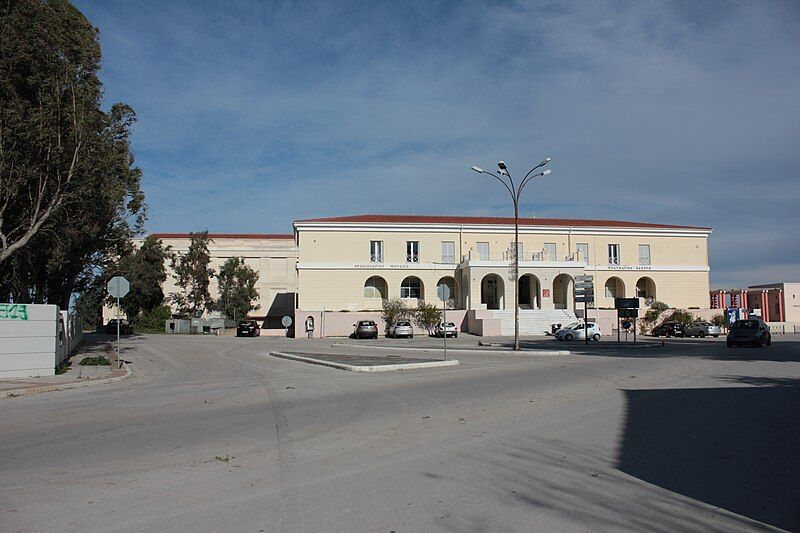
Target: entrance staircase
(532, 321)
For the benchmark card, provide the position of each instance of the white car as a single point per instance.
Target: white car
(448, 329)
(701, 329)
(401, 328)
(576, 331)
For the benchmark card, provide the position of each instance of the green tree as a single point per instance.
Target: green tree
(237, 289)
(146, 270)
(719, 320)
(193, 276)
(426, 316)
(392, 311)
(69, 193)
(682, 316)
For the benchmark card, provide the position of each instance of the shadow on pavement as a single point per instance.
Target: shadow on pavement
(736, 447)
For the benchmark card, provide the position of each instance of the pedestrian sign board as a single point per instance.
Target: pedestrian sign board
(286, 321)
(118, 287)
(626, 303)
(628, 313)
(584, 278)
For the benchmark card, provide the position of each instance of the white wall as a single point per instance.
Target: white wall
(29, 344)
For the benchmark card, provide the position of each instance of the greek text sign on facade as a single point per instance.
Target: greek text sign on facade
(14, 311)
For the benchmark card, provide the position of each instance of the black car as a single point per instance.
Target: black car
(669, 329)
(753, 331)
(248, 328)
(124, 327)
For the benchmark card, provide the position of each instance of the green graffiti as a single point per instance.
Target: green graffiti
(14, 311)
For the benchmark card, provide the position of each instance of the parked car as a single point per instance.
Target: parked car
(401, 328)
(701, 329)
(445, 328)
(248, 328)
(365, 329)
(576, 331)
(751, 331)
(669, 329)
(124, 327)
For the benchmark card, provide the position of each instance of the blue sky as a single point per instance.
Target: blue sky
(252, 114)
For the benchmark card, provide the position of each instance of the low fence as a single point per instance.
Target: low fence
(35, 339)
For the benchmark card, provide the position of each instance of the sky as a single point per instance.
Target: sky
(254, 114)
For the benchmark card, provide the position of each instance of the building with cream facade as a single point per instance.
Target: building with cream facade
(350, 264)
(273, 256)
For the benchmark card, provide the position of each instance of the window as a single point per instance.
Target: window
(411, 288)
(412, 251)
(448, 252)
(613, 254)
(583, 252)
(483, 251)
(375, 288)
(644, 254)
(376, 251)
(511, 250)
(549, 251)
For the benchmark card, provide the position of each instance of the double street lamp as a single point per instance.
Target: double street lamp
(515, 190)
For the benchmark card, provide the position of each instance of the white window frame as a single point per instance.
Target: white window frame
(483, 255)
(645, 259)
(580, 247)
(550, 251)
(376, 251)
(448, 256)
(613, 259)
(406, 290)
(412, 251)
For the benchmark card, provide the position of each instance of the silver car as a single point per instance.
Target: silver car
(445, 329)
(401, 328)
(365, 328)
(701, 329)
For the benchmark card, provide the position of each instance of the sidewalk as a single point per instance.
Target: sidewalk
(75, 376)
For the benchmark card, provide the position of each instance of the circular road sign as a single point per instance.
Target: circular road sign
(443, 291)
(286, 321)
(118, 287)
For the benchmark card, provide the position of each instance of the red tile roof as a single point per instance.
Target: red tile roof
(264, 236)
(567, 222)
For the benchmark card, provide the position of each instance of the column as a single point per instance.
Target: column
(781, 308)
(764, 306)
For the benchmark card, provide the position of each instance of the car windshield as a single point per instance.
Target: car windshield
(570, 326)
(745, 324)
(367, 323)
(450, 325)
(247, 323)
(404, 323)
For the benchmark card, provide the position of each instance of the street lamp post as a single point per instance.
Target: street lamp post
(515, 190)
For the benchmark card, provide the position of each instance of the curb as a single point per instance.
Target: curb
(365, 368)
(526, 351)
(13, 393)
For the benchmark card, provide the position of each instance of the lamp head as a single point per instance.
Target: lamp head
(546, 172)
(501, 165)
(477, 169)
(544, 161)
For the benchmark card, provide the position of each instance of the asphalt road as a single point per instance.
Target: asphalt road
(211, 434)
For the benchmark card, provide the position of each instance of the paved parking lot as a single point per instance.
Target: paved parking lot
(211, 434)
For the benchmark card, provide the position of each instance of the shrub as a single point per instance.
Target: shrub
(152, 320)
(679, 315)
(426, 316)
(97, 360)
(393, 310)
(719, 320)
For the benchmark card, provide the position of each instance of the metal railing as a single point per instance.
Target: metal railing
(537, 256)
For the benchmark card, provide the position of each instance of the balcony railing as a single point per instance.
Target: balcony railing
(537, 256)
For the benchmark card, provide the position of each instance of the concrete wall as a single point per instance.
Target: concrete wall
(29, 340)
(338, 324)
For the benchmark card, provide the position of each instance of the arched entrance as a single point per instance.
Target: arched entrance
(563, 292)
(615, 288)
(492, 292)
(450, 282)
(529, 291)
(646, 288)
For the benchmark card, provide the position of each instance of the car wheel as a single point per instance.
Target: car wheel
(596, 337)
(769, 340)
(715, 336)
(760, 343)
(702, 334)
(568, 337)
(455, 335)
(729, 344)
